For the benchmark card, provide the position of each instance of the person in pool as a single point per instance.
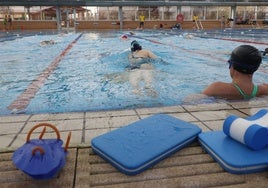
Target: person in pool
(244, 61)
(47, 42)
(265, 52)
(140, 67)
(137, 52)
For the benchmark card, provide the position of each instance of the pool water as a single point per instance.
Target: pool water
(91, 69)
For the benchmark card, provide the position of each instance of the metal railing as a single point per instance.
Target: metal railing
(132, 3)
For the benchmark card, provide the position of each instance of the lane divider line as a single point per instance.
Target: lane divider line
(243, 41)
(24, 98)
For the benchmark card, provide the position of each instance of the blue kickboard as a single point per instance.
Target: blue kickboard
(140, 145)
(232, 155)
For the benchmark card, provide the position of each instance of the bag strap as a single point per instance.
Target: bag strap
(43, 132)
(67, 142)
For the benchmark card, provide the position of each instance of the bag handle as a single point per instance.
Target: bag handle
(38, 148)
(67, 141)
(43, 132)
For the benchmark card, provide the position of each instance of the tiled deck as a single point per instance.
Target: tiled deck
(189, 167)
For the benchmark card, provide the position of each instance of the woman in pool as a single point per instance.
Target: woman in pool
(140, 67)
(244, 61)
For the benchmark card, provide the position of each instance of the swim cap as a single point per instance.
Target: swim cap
(245, 59)
(124, 37)
(135, 46)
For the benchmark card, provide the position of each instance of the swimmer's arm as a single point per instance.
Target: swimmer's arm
(131, 57)
(216, 89)
(151, 55)
(263, 89)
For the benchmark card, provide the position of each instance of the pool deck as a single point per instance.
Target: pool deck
(189, 167)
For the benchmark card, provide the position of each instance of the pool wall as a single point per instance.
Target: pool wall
(82, 25)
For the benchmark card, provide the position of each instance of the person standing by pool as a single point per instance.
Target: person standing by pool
(244, 61)
(9, 20)
(195, 20)
(5, 22)
(142, 19)
(223, 22)
(140, 67)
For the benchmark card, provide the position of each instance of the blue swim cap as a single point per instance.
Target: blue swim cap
(245, 59)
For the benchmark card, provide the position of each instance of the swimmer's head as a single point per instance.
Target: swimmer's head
(245, 59)
(124, 37)
(135, 46)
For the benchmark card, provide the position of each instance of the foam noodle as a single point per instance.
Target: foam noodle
(252, 131)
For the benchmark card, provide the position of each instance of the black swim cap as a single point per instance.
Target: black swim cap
(245, 59)
(135, 46)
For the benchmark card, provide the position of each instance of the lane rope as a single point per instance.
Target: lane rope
(24, 98)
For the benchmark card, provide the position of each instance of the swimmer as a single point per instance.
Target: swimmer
(141, 69)
(265, 52)
(188, 36)
(244, 61)
(124, 37)
(47, 42)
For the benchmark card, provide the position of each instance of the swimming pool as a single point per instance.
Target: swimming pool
(86, 71)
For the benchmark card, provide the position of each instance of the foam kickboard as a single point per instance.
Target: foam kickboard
(140, 145)
(232, 155)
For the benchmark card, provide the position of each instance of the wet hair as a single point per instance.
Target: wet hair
(135, 46)
(245, 59)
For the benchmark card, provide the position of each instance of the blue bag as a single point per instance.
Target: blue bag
(41, 158)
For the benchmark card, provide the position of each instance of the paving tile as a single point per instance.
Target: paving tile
(10, 128)
(90, 134)
(202, 126)
(252, 111)
(97, 123)
(215, 115)
(14, 118)
(207, 107)
(5, 140)
(184, 116)
(59, 116)
(61, 125)
(214, 125)
(110, 122)
(256, 102)
(164, 109)
(19, 141)
(76, 138)
(110, 113)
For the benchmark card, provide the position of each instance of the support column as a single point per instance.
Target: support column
(75, 24)
(178, 10)
(233, 15)
(67, 19)
(120, 17)
(58, 18)
(149, 13)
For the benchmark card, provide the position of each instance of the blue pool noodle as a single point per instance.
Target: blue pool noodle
(253, 135)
